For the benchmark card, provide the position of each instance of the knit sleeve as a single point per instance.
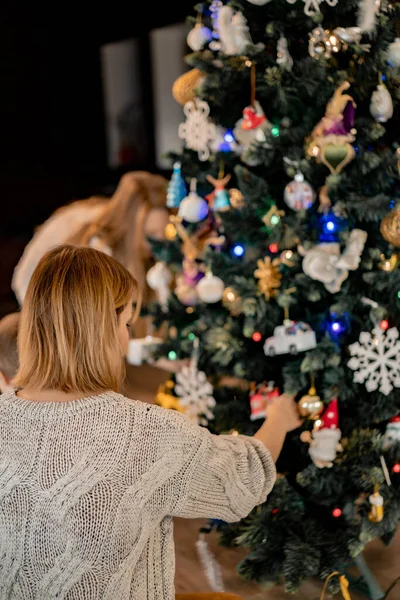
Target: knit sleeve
(224, 477)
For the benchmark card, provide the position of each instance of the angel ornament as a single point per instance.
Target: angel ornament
(327, 264)
(331, 139)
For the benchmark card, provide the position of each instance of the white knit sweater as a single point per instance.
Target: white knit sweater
(88, 490)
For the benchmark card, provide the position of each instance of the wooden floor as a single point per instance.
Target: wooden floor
(384, 562)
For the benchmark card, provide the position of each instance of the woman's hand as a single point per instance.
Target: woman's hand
(284, 409)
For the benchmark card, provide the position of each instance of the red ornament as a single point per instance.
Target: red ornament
(257, 337)
(273, 248)
(330, 418)
(337, 513)
(384, 324)
(396, 468)
(251, 120)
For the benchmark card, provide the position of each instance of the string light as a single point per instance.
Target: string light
(273, 248)
(396, 468)
(384, 324)
(336, 327)
(257, 337)
(331, 226)
(274, 220)
(228, 136)
(230, 296)
(275, 131)
(398, 294)
(172, 355)
(238, 250)
(337, 513)
(190, 310)
(288, 254)
(191, 337)
(275, 511)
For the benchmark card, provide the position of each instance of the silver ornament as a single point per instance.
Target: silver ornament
(393, 53)
(210, 289)
(198, 37)
(299, 194)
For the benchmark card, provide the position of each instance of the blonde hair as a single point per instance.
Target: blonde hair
(68, 335)
(8, 345)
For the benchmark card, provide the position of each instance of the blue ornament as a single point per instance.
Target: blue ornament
(176, 190)
(330, 226)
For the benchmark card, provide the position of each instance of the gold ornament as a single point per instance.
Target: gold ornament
(236, 198)
(390, 227)
(311, 406)
(232, 301)
(269, 276)
(170, 231)
(184, 87)
(273, 216)
(388, 264)
(165, 399)
(376, 513)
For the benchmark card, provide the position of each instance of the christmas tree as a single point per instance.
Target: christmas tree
(285, 264)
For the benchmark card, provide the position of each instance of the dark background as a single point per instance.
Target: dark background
(52, 133)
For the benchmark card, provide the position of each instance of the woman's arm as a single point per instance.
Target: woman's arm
(282, 417)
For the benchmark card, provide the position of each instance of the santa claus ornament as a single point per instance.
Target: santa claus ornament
(392, 433)
(324, 440)
(260, 396)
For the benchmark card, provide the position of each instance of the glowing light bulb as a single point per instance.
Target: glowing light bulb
(275, 511)
(288, 254)
(384, 324)
(238, 250)
(273, 248)
(337, 513)
(190, 310)
(398, 294)
(230, 296)
(275, 131)
(191, 337)
(228, 137)
(336, 327)
(274, 220)
(331, 226)
(396, 468)
(172, 355)
(257, 336)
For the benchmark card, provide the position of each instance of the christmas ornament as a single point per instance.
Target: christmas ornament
(219, 198)
(139, 350)
(199, 36)
(388, 264)
(291, 337)
(376, 513)
(259, 397)
(170, 231)
(311, 7)
(236, 198)
(392, 433)
(159, 279)
(311, 405)
(184, 87)
(283, 59)
(210, 289)
(233, 32)
(186, 282)
(390, 227)
(273, 216)
(193, 208)
(165, 398)
(259, 2)
(327, 264)
(215, 7)
(269, 276)
(195, 392)
(176, 190)
(325, 437)
(376, 359)
(393, 53)
(381, 107)
(330, 139)
(322, 43)
(197, 131)
(299, 194)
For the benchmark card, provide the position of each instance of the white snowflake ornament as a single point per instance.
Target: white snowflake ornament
(376, 360)
(195, 394)
(197, 130)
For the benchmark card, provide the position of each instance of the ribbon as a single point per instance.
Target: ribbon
(344, 586)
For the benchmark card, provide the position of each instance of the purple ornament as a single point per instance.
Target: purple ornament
(348, 117)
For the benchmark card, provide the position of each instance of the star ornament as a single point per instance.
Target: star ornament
(269, 276)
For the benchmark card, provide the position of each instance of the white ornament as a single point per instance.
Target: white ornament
(284, 60)
(198, 37)
(195, 394)
(249, 139)
(139, 350)
(299, 194)
(159, 278)
(193, 208)
(291, 337)
(325, 263)
(233, 32)
(376, 360)
(392, 434)
(197, 131)
(210, 289)
(381, 107)
(393, 53)
(324, 446)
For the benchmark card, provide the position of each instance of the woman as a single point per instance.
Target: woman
(118, 226)
(90, 480)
